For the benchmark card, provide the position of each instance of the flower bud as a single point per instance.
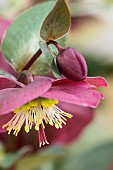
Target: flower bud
(72, 64)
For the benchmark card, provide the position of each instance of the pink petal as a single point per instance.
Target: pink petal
(4, 119)
(4, 24)
(12, 98)
(96, 81)
(79, 93)
(6, 82)
(82, 116)
(6, 66)
(44, 77)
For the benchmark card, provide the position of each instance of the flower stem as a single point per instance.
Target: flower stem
(38, 53)
(56, 45)
(32, 60)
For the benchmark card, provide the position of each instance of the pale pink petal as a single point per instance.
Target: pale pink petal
(96, 81)
(6, 66)
(12, 98)
(44, 77)
(4, 24)
(82, 116)
(4, 119)
(6, 82)
(80, 93)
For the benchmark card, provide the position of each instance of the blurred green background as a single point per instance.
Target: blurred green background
(91, 33)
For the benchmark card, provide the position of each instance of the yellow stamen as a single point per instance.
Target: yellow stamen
(25, 106)
(17, 110)
(47, 102)
(33, 103)
(37, 112)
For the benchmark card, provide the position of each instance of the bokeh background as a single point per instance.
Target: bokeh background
(88, 140)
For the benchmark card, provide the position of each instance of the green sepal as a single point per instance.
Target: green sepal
(50, 59)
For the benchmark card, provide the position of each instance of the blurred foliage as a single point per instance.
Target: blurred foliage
(96, 159)
(42, 159)
(61, 158)
(108, 2)
(95, 68)
(7, 160)
(91, 32)
(11, 8)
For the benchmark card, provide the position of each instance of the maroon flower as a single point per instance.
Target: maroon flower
(35, 103)
(32, 101)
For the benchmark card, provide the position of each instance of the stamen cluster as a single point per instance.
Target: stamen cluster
(37, 113)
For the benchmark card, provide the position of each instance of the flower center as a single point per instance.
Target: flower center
(37, 112)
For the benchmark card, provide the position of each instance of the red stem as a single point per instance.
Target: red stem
(38, 53)
(56, 45)
(32, 60)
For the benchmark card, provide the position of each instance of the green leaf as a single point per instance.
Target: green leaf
(50, 59)
(11, 158)
(22, 38)
(57, 23)
(37, 161)
(62, 158)
(98, 158)
(55, 69)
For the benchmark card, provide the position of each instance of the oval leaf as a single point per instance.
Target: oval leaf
(22, 38)
(57, 23)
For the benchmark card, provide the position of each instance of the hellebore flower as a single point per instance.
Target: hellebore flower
(32, 101)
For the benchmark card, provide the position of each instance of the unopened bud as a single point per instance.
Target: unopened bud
(72, 64)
